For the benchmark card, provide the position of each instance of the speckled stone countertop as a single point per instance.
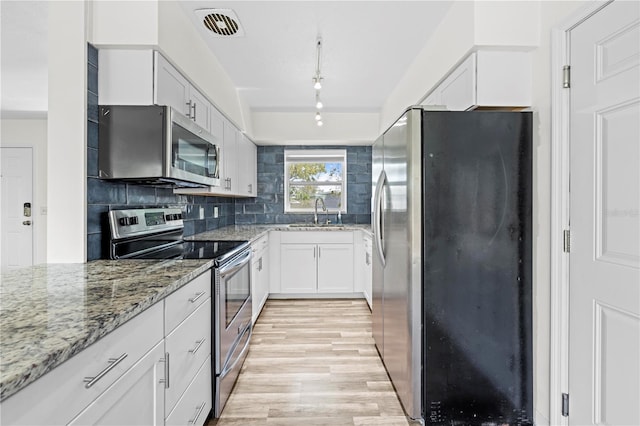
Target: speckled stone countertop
(50, 312)
(253, 232)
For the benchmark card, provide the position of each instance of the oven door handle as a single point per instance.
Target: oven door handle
(235, 264)
(236, 359)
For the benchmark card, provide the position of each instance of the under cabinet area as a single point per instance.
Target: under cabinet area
(316, 262)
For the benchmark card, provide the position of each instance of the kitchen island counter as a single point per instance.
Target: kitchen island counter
(51, 312)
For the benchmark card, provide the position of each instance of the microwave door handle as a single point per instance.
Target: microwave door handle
(216, 169)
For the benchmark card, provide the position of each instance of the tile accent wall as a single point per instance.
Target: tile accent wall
(268, 206)
(105, 195)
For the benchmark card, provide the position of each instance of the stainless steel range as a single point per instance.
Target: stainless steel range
(157, 233)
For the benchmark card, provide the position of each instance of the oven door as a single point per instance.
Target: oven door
(233, 306)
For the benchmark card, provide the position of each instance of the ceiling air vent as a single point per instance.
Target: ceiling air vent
(220, 22)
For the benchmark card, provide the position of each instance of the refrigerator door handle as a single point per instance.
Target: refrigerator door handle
(378, 226)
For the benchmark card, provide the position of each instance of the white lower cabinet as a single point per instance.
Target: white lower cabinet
(298, 268)
(259, 275)
(367, 277)
(136, 398)
(316, 262)
(149, 368)
(196, 402)
(335, 268)
(62, 394)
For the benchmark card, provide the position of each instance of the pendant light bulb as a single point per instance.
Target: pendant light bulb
(318, 116)
(318, 102)
(317, 84)
(319, 123)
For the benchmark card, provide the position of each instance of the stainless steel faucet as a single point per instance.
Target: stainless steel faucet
(315, 212)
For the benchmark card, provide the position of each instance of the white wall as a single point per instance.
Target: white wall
(32, 133)
(293, 128)
(67, 123)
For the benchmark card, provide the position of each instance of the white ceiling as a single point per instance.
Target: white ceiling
(366, 48)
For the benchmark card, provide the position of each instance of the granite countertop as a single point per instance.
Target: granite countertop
(253, 232)
(50, 312)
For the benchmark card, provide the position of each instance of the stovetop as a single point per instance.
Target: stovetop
(157, 233)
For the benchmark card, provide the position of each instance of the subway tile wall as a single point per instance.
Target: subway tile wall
(105, 195)
(268, 206)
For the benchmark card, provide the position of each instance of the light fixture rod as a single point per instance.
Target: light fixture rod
(319, 50)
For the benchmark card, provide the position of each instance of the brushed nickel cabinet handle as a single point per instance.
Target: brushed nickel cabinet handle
(198, 344)
(166, 370)
(196, 297)
(90, 381)
(198, 412)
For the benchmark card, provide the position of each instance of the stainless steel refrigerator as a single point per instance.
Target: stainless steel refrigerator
(452, 273)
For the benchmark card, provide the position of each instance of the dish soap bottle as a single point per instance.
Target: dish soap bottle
(339, 218)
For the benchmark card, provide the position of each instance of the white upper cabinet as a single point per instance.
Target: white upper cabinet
(247, 167)
(170, 87)
(145, 77)
(485, 79)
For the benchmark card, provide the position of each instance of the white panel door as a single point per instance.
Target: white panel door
(17, 206)
(604, 318)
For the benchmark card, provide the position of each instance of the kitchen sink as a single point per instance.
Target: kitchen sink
(316, 225)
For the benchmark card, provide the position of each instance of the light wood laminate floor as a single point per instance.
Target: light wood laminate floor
(313, 362)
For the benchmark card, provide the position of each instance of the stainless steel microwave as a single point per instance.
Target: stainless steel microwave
(155, 145)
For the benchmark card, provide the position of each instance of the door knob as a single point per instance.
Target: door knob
(26, 222)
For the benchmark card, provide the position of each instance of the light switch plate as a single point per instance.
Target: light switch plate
(215, 212)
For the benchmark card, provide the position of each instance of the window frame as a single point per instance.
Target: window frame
(315, 156)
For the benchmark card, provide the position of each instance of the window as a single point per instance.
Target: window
(310, 174)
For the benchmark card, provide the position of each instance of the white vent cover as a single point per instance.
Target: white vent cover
(220, 22)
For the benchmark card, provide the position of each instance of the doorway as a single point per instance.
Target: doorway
(596, 218)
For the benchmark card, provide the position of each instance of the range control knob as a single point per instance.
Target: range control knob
(128, 221)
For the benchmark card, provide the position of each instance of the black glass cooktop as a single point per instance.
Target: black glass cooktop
(217, 250)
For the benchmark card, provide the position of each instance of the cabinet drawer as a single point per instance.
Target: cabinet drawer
(196, 402)
(310, 237)
(61, 394)
(184, 301)
(188, 346)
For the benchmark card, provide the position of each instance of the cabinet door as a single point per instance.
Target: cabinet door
(298, 268)
(247, 167)
(136, 398)
(367, 277)
(230, 158)
(335, 268)
(171, 88)
(458, 91)
(255, 290)
(196, 402)
(188, 346)
(200, 109)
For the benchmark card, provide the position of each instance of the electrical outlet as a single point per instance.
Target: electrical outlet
(201, 212)
(215, 212)
(43, 210)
